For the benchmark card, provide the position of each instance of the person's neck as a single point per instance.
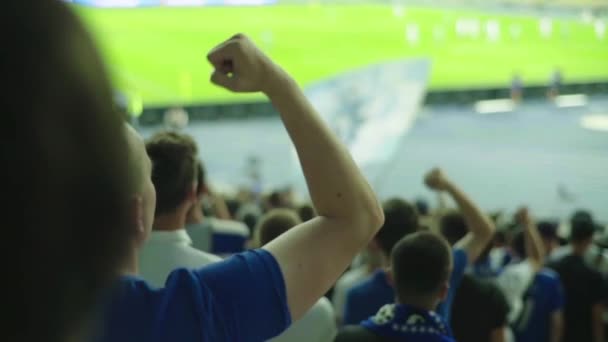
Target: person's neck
(420, 303)
(375, 262)
(170, 222)
(131, 265)
(580, 248)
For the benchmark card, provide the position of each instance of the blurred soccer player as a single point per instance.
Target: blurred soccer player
(516, 88)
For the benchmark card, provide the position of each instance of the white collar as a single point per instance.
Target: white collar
(174, 236)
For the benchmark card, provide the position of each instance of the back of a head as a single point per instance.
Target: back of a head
(174, 156)
(63, 152)
(401, 219)
(518, 244)
(453, 226)
(274, 223)
(582, 227)
(422, 264)
(306, 212)
(548, 230)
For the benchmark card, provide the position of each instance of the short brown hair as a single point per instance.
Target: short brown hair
(422, 263)
(174, 160)
(274, 223)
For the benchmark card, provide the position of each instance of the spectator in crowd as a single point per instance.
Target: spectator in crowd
(306, 212)
(585, 288)
(371, 262)
(421, 267)
(66, 171)
(219, 235)
(174, 175)
(468, 241)
(541, 318)
(480, 309)
(222, 301)
(318, 323)
(518, 276)
(595, 256)
(365, 298)
(479, 312)
(548, 233)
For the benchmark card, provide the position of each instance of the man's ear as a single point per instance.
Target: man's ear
(390, 277)
(192, 194)
(137, 219)
(445, 289)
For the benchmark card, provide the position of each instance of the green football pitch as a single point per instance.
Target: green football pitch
(158, 54)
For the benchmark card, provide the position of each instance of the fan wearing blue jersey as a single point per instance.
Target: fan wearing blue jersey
(255, 295)
(365, 298)
(469, 234)
(541, 317)
(520, 274)
(421, 268)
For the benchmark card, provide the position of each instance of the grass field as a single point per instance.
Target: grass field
(158, 54)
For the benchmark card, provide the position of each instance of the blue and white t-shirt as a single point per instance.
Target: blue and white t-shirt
(207, 304)
(543, 298)
(460, 264)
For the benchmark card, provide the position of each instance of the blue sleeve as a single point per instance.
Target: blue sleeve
(350, 308)
(460, 261)
(242, 287)
(242, 298)
(557, 299)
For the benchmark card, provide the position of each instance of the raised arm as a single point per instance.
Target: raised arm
(556, 326)
(535, 250)
(313, 255)
(481, 228)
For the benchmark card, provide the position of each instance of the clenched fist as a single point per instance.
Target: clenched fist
(240, 66)
(436, 180)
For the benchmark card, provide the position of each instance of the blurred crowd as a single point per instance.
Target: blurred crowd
(113, 238)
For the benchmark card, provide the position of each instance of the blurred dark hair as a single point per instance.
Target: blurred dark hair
(453, 227)
(519, 244)
(233, 206)
(401, 219)
(548, 229)
(275, 199)
(501, 237)
(174, 160)
(306, 212)
(201, 177)
(276, 222)
(422, 264)
(582, 226)
(422, 206)
(63, 154)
